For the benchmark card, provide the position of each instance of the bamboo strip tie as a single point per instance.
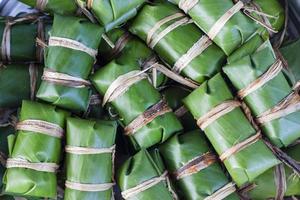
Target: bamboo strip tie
(41, 4)
(33, 75)
(88, 151)
(120, 45)
(280, 182)
(89, 187)
(223, 192)
(5, 44)
(187, 5)
(21, 163)
(181, 111)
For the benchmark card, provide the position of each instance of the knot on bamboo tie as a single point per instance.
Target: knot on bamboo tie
(42, 127)
(147, 117)
(195, 165)
(22, 163)
(223, 192)
(64, 79)
(41, 4)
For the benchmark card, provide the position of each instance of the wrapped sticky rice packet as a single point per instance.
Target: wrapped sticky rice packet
(226, 126)
(90, 150)
(140, 178)
(35, 152)
(70, 56)
(260, 82)
(147, 118)
(194, 168)
(177, 41)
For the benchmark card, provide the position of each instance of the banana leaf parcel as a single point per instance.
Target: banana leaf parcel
(147, 118)
(18, 82)
(63, 7)
(18, 38)
(230, 24)
(195, 168)
(277, 182)
(111, 13)
(90, 148)
(268, 93)
(70, 56)
(229, 131)
(177, 41)
(141, 179)
(35, 151)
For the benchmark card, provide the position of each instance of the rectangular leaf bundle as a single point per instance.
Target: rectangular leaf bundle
(261, 83)
(147, 118)
(140, 178)
(177, 41)
(195, 169)
(229, 131)
(230, 23)
(63, 7)
(90, 148)
(35, 153)
(18, 82)
(70, 56)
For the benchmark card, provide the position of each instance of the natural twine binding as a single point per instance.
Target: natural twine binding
(271, 73)
(89, 187)
(89, 3)
(64, 79)
(5, 44)
(42, 127)
(21, 163)
(95, 99)
(120, 45)
(88, 150)
(195, 165)
(280, 182)
(41, 4)
(240, 146)
(33, 74)
(147, 117)
(187, 5)
(217, 112)
(180, 111)
(72, 44)
(40, 37)
(223, 192)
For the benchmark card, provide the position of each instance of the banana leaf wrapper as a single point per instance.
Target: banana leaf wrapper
(35, 148)
(174, 95)
(284, 130)
(95, 110)
(18, 36)
(181, 149)
(113, 13)
(71, 62)
(126, 49)
(172, 46)
(18, 82)
(93, 168)
(265, 186)
(65, 7)
(228, 130)
(134, 102)
(138, 169)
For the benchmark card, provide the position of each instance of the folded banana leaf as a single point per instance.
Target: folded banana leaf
(174, 95)
(282, 130)
(35, 144)
(18, 82)
(65, 7)
(138, 171)
(267, 185)
(90, 168)
(163, 26)
(70, 56)
(112, 13)
(126, 48)
(229, 130)
(136, 101)
(179, 153)
(18, 38)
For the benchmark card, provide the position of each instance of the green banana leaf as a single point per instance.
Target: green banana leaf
(15, 84)
(23, 36)
(174, 95)
(224, 133)
(71, 62)
(112, 13)
(63, 7)
(172, 47)
(265, 186)
(35, 148)
(140, 168)
(90, 169)
(234, 33)
(135, 51)
(182, 148)
(135, 101)
(282, 131)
